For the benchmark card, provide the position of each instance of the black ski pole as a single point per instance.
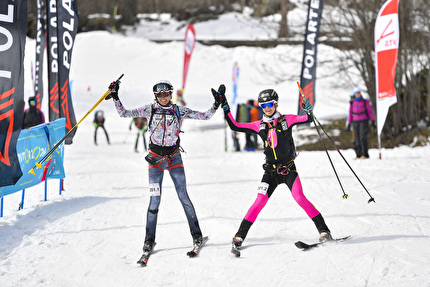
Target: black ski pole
(345, 195)
(334, 145)
(325, 148)
(39, 164)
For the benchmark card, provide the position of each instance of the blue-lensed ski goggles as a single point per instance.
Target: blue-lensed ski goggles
(267, 105)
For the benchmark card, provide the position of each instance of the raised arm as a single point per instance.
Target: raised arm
(253, 127)
(144, 111)
(220, 99)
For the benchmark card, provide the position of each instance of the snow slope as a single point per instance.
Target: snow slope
(92, 235)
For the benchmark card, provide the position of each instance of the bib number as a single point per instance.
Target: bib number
(263, 187)
(154, 189)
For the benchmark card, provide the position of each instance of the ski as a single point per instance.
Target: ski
(305, 246)
(197, 247)
(235, 250)
(143, 261)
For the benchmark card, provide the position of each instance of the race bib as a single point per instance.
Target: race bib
(154, 189)
(262, 188)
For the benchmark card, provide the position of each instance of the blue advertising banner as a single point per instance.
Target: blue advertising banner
(31, 146)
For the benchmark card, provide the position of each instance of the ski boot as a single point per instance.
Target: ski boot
(148, 246)
(197, 239)
(235, 245)
(325, 236)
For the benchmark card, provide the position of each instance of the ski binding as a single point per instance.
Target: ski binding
(196, 248)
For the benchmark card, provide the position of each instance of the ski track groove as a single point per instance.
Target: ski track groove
(420, 228)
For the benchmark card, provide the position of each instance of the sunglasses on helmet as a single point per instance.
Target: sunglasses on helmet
(163, 94)
(268, 104)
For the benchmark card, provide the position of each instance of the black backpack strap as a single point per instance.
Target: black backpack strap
(283, 122)
(150, 122)
(178, 115)
(152, 115)
(365, 108)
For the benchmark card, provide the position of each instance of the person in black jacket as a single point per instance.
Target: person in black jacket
(99, 121)
(32, 116)
(275, 129)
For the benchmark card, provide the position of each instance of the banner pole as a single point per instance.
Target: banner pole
(379, 146)
(46, 189)
(21, 205)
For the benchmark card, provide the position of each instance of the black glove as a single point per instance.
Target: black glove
(219, 97)
(348, 128)
(113, 87)
(373, 125)
(307, 107)
(216, 98)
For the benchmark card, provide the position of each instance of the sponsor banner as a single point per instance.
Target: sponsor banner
(13, 29)
(190, 40)
(67, 28)
(32, 145)
(40, 50)
(309, 62)
(52, 55)
(386, 47)
(235, 94)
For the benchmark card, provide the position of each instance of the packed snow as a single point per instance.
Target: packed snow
(92, 235)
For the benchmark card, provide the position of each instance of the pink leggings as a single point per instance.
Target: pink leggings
(299, 197)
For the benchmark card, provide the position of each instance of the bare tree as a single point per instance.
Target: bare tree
(355, 20)
(283, 25)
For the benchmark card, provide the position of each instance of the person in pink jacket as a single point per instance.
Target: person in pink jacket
(360, 113)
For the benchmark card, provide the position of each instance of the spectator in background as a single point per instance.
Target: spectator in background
(234, 134)
(180, 98)
(32, 116)
(347, 123)
(360, 112)
(141, 125)
(98, 122)
(254, 115)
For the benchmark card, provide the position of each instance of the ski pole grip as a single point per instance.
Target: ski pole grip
(117, 81)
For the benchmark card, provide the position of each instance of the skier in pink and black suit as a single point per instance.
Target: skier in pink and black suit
(275, 130)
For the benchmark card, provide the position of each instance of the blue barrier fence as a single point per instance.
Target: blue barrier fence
(31, 146)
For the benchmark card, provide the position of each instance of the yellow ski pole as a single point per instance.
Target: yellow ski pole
(39, 164)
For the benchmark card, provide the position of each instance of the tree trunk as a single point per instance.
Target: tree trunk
(283, 25)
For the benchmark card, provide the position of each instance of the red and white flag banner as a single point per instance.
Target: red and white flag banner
(386, 47)
(190, 40)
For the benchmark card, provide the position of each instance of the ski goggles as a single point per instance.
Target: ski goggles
(162, 87)
(267, 105)
(32, 102)
(163, 94)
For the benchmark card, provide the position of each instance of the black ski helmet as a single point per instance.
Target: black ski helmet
(162, 86)
(268, 95)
